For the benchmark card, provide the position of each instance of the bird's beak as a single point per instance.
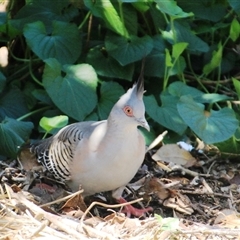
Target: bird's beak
(143, 123)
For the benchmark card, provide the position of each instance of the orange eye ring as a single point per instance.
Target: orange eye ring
(128, 111)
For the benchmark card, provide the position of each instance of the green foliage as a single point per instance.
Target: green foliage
(13, 134)
(77, 58)
(109, 96)
(128, 50)
(50, 124)
(168, 224)
(183, 107)
(57, 44)
(75, 93)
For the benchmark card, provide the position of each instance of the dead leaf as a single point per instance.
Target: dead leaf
(180, 203)
(75, 202)
(174, 154)
(228, 218)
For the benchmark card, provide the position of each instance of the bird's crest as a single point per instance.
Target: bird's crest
(139, 86)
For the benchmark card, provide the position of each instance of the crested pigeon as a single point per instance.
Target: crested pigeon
(99, 155)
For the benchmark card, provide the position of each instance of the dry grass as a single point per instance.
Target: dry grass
(21, 219)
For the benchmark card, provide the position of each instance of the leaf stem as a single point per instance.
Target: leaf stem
(84, 20)
(45, 135)
(31, 73)
(32, 113)
(197, 78)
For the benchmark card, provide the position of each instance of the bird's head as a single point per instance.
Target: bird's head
(130, 107)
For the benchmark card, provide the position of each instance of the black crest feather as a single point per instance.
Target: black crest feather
(140, 82)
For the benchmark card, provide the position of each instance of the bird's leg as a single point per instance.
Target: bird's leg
(130, 210)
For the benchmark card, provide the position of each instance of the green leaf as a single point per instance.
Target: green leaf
(107, 66)
(105, 10)
(237, 135)
(48, 124)
(141, 6)
(178, 48)
(9, 30)
(155, 60)
(168, 224)
(2, 81)
(44, 11)
(13, 134)
(126, 50)
(178, 67)
(110, 93)
(235, 5)
(42, 96)
(75, 93)
(236, 84)
(155, 65)
(29, 98)
(170, 7)
(183, 33)
(229, 147)
(168, 58)
(211, 127)
(215, 61)
(179, 89)
(234, 29)
(130, 18)
(148, 136)
(65, 45)
(211, 98)
(167, 115)
(12, 104)
(209, 10)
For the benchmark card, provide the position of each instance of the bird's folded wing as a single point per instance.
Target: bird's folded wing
(57, 152)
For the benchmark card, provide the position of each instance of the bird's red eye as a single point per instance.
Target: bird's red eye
(128, 111)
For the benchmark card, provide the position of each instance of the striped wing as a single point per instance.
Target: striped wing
(57, 152)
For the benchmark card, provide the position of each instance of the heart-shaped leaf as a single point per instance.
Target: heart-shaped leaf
(110, 93)
(126, 50)
(211, 127)
(74, 94)
(65, 45)
(13, 134)
(167, 115)
(45, 11)
(179, 89)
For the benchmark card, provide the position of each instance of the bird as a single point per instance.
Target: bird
(102, 155)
